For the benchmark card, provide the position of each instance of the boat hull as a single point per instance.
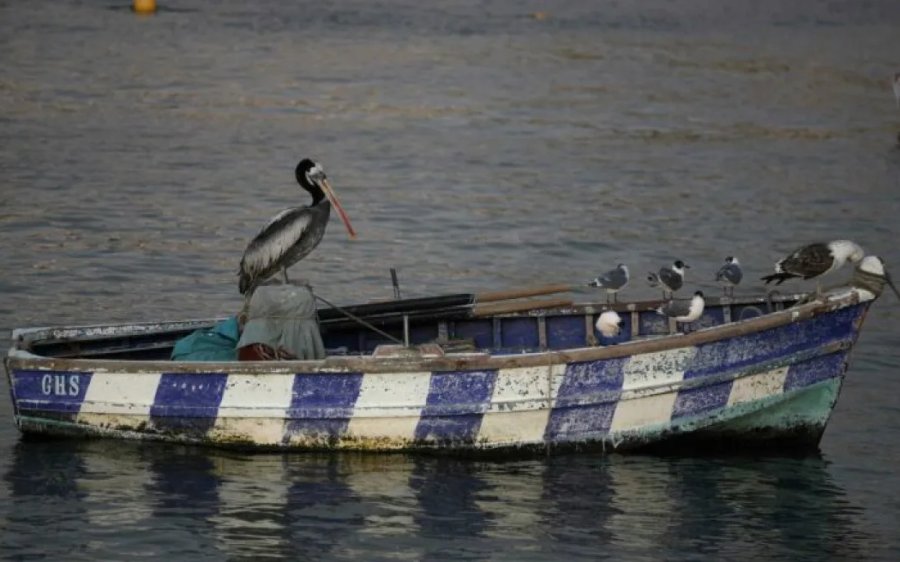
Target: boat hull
(793, 422)
(746, 387)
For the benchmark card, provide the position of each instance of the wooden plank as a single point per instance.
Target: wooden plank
(517, 306)
(522, 293)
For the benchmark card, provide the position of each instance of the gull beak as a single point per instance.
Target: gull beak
(329, 193)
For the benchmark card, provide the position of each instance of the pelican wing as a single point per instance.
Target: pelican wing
(274, 246)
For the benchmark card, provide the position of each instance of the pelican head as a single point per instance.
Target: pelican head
(311, 177)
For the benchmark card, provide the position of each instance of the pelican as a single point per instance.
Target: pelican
(293, 233)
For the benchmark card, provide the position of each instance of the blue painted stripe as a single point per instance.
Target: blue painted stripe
(49, 391)
(752, 349)
(455, 406)
(744, 351)
(187, 402)
(815, 370)
(586, 400)
(321, 405)
(702, 399)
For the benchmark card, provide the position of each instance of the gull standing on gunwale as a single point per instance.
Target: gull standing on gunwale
(671, 278)
(815, 260)
(683, 310)
(729, 275)
(293, 233)
(613, 281)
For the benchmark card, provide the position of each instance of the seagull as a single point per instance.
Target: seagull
(609, 324)
(815, 260)
(871, 275)
(613, 281)
(671, 278)
(730, 275)
(684, 310)
(293, 233)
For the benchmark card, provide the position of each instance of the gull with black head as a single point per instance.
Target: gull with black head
(294, 232)
(669, 278)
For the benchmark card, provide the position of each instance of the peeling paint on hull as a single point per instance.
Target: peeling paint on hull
(796, 420)
(773, 385)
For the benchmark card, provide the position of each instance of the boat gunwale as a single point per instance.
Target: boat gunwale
(23, 359)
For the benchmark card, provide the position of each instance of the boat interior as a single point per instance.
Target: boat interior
(454, 323)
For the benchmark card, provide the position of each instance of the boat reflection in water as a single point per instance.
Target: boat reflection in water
(110, 499)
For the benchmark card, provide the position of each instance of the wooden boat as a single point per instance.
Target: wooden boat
(506, 376)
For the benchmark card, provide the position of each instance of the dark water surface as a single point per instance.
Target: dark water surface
(476, 146)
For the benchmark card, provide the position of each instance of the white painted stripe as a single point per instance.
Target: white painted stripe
(653, 369)
(254, 408)
(257, 396)
(519, 407)
(389, 405)
(120, 394)
(638, 412)
(756, 387)
(643, 372)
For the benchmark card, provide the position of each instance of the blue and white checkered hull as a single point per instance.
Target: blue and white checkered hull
(768, 378)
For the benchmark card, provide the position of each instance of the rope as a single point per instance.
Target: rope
(359, 320)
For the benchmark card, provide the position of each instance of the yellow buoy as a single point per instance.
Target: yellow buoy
(144, 6)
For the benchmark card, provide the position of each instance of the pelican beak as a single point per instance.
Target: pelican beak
(329, 193)
(887, 277)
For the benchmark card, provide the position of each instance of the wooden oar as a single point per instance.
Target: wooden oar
(480, 310)
(522, 293)
(423, 304)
